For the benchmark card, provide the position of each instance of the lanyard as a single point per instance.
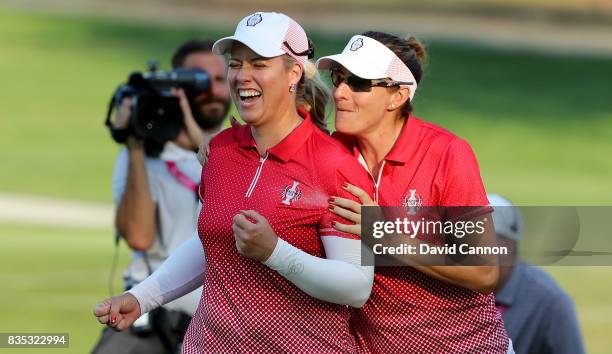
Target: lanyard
(181, 177)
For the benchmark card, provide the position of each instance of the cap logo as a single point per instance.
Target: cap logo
(254, 20)
(358, 43)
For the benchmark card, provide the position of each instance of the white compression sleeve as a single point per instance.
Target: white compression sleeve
(340, 278)
(180, 274)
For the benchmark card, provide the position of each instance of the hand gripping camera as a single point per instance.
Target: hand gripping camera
(155, 113)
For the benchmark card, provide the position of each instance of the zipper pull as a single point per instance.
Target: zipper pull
(263, 158)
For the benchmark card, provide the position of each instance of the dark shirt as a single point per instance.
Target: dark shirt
(538, 314)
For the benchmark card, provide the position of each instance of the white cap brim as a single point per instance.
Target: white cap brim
(358, 66)
(224, 45)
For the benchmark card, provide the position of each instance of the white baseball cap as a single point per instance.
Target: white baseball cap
(506, 217)
(370, 59)
(269, 34)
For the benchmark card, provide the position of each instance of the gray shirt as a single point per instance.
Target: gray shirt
(538, 315)
(177, 208)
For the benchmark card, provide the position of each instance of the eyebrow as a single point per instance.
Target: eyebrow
(258, 58)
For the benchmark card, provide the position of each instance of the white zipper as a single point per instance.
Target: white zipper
(257, 174)
(375, 181)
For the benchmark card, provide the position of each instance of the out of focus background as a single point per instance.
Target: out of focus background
(527, 82)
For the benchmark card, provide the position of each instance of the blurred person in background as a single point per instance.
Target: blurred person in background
(155, 193)
(539, 316)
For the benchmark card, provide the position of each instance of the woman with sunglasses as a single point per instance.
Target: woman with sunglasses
(265, 226)
(413, 163)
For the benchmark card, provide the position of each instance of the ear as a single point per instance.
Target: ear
(398, 98)
(295, 74)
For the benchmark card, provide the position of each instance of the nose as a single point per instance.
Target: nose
(341, 92)
(243, 74)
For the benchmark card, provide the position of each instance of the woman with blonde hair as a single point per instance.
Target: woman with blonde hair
(277, 277)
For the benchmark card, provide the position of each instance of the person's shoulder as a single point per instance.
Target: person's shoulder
(436, 133)
(345, 140)
(434, 130)
(228, 134)
(333, 148)
(441, 140)
(335, 154)
(543, 282)
(229, 138)
(336, 159)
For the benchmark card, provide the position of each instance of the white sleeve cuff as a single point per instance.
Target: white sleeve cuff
(180, 274)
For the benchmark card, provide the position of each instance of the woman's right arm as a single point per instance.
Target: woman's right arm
(180, 274)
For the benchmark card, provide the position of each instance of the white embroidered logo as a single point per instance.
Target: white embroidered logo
(412, 202)
(254, 20)
(358, 43)
(291, 193)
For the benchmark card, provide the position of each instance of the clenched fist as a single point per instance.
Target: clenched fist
(254, 236)
(118, 312)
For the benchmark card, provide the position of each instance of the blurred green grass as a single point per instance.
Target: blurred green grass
(51, 278)
(541, 127)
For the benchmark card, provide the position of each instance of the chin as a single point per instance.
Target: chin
(345, 126)
(250, 117)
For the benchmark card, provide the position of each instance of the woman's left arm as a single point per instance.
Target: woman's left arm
(481, 278)
(340, 278)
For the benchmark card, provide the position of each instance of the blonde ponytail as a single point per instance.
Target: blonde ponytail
(312, 93)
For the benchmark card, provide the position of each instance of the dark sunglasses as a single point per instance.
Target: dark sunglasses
(358, 84)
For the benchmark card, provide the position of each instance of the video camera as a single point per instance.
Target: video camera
(155, 112)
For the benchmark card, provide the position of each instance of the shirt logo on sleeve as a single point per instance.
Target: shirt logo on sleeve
(412, 202)
(291, 193)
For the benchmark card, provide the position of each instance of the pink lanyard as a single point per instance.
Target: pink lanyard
(181, 177)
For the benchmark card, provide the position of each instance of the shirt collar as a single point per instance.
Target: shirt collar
(510, 290)
(404, 146)
(173, 152)
(242, 134)
(406, 142)
(287, 147)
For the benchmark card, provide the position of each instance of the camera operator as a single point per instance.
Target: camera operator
(154, 189)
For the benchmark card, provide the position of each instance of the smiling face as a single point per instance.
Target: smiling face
(260, 86)
(359, 113)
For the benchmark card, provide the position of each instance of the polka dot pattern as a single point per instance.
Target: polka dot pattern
(409, 311)
(246, 306)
